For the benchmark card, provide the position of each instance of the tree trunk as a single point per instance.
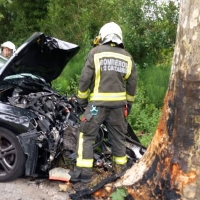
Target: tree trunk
(170, 167)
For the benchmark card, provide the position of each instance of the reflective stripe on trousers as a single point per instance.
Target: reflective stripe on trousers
(120, 160)
(80, 161)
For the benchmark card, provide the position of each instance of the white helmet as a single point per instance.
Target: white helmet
(9, 45)
(111, 32)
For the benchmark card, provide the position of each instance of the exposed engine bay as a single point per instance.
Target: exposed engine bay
(53, 114)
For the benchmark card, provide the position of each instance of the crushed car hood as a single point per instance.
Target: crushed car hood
(40, 55)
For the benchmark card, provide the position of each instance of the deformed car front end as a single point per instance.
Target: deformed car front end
(32, 115)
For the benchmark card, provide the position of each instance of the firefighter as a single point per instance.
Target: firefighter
(7, 49)
(107, 87)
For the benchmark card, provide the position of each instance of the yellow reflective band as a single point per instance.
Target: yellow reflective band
(113, 45)
(97, 58)
(129, 98)
(108, 96)
(83, 95)
(84, 162)
(97, 74)
(80, 162)
(120, 160)
(80, 146)
(128, 72)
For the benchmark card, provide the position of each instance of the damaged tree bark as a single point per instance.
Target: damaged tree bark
(170, 167)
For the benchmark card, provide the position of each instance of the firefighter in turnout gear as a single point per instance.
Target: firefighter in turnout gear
(107, 85)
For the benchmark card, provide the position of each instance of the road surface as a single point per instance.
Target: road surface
(39, 189)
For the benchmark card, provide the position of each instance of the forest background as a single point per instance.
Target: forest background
(149, 33)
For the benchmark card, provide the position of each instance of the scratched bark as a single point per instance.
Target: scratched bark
(170, 168)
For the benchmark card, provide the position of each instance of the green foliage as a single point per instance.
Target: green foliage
(144, 116)
(67, 82)
(146, 139)
(119, 194)
(155, 80)
(149, 27)
(21, 18)
(78, 21)
(73, 86)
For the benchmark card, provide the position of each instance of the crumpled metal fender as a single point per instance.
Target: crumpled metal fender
(16, 119)
(21, 123)
(28, 143)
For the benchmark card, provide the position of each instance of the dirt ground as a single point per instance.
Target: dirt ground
(38, 189)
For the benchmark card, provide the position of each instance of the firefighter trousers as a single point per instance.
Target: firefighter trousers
(89, 128)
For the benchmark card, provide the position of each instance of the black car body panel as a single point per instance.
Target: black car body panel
(30, 148)
(40, 55)
(17, 118)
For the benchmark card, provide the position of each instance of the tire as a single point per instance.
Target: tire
(12, 157)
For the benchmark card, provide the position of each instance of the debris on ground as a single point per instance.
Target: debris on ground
(65, 187)
(59, 174)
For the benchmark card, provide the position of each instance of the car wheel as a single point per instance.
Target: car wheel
(12, 158)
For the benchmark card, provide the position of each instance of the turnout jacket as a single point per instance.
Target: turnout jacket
(108, 77)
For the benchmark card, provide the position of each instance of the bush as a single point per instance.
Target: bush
(67, 82)
(143, 117)
(155, 80)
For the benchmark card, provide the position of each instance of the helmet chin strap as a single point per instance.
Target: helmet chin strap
(96, 40)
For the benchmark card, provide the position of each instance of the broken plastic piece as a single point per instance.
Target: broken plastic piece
(59, 174)
(136, 150)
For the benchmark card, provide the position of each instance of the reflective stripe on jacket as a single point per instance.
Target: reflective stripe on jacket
(110, 76)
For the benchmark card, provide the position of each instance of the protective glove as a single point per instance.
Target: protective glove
(83, 102)
(129, 106)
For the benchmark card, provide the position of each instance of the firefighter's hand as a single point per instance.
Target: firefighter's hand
(82, 102)
(129, 106)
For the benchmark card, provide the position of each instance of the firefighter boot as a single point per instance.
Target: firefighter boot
(83, 175)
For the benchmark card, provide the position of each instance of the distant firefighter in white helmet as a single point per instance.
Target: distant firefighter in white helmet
(7, 49)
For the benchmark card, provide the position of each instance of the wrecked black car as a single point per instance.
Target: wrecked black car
(37, 124)
(32, 114)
